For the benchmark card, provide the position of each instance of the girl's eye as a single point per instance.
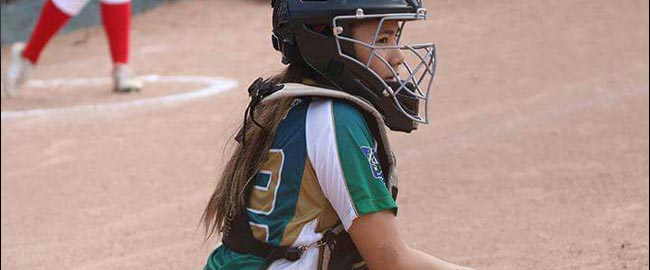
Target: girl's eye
(382, 40)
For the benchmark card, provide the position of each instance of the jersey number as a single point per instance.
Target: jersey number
(265, 191)
(265, 187)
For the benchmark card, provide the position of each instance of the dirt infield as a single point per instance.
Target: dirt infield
(537, 156)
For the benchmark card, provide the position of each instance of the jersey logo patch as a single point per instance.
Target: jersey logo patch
(375, 167)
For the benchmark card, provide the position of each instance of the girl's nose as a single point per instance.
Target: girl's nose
(396, 59)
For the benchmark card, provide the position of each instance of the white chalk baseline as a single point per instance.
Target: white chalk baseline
(215, 85)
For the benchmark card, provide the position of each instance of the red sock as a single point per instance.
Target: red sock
(51, 20)
(117, 21)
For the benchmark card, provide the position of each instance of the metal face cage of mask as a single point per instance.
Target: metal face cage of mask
(411, 89)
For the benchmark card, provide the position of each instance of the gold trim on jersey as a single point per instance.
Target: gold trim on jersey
(312, 204)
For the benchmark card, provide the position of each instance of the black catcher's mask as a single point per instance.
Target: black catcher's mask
(317, 35)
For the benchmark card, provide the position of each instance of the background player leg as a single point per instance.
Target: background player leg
(116, 16)
(54, 15)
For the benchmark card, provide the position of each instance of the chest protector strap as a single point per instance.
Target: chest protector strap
(239, 238)
(343, 255)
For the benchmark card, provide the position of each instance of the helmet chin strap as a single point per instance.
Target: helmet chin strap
(410, 103)
(394, 118)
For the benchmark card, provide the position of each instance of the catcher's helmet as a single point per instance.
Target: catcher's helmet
(317, 35)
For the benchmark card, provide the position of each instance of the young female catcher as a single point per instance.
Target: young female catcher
(312, 183)
(116, 16)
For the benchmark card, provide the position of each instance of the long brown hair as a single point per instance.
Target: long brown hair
(228, 196)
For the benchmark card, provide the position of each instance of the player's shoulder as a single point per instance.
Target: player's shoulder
(338, 112)
(322, 107)
(337, 120)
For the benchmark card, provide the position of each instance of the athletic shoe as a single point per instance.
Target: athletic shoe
(18, 71)
(125, 80)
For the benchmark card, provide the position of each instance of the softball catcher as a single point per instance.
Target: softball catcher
(312, 184)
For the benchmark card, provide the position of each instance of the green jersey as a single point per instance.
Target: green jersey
(322, 169)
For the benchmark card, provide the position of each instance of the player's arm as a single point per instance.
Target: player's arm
(340, 148)
(377, 238)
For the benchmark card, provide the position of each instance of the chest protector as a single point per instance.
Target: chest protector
(339, 252)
